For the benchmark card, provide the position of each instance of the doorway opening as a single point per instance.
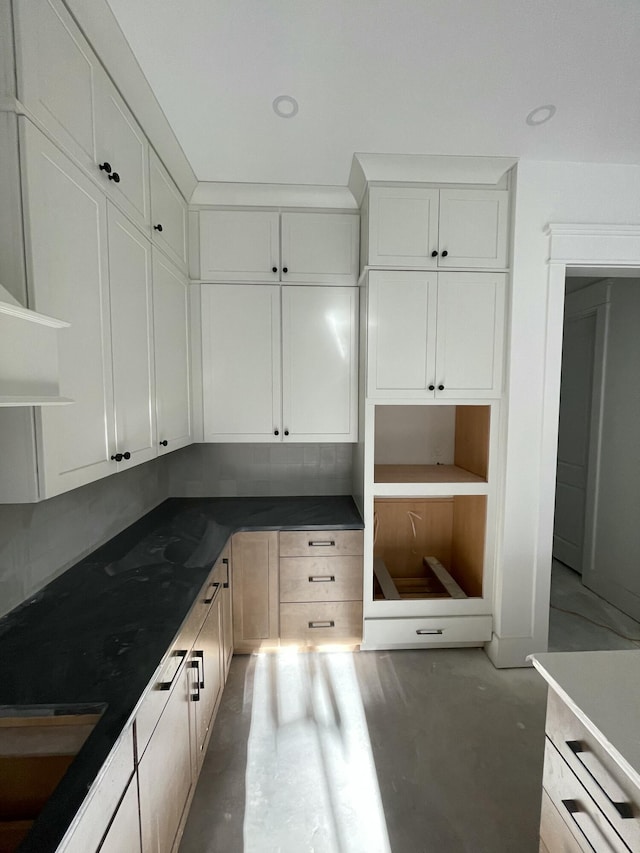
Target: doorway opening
(595, 580)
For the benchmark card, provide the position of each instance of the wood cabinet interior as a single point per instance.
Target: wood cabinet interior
(35, 753)
(431, 444)
(449, 528)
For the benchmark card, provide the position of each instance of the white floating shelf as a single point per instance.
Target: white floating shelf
(29, 374)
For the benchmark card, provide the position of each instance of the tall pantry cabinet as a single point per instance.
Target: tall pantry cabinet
(435, 271)
(94, 259)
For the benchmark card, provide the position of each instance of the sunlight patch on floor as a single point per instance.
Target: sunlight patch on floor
(311, 782)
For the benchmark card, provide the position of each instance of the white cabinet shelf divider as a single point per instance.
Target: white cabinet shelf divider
(28, 356)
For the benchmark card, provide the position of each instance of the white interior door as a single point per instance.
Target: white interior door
(132, 340)
(319, 363)
(241, 362)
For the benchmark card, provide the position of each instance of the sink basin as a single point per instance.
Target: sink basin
(37, 745)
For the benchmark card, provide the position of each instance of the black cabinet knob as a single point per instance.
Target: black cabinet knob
(164, 442)
(158, 227)
(286, 432)
(445, 253)
(434, 254)
(440, 387)
(117, 457)
(105, 167)
(432, 387)
(126, 454)
(285, 269)
(115, 177)
(276, 432)
(274, 269)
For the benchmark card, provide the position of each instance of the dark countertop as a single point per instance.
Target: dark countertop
(96, 634)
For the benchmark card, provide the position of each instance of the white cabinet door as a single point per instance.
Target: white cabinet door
(121, 143)
(319, 363)
(401, 334)
(403, 227)
(67, 258)
(470, 328)
(124, 832)
(320, 248)
(57, 73)
(239, 245)
(171, 345)
(473, 228)
(168, 214)
(241, 362)
(132, 341)
(165, 773)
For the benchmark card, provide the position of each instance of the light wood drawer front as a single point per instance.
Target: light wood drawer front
(322, 622)
(320, 578)
(426, 631)
(321, 543)
(606, 782)
(587, 823)
(555, 835)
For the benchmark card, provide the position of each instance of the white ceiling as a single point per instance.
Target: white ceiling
(396, 76)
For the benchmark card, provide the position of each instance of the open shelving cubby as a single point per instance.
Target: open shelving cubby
(431, 444)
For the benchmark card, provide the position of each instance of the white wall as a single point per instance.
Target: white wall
(547, 192)
(616, 570)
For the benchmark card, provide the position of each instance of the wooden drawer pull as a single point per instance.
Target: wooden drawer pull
(422, 631)
(323, 543)
(327, 624)
(624, 809)
(322, 579)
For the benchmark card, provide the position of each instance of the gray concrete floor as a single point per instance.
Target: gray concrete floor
(571, 632)
(410, 752)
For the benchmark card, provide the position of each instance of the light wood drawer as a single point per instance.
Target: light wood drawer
(426, 632)
(588, 825)
(555, 835)
(611, 789)
(321, 543)
(320, 578)
(321, 622)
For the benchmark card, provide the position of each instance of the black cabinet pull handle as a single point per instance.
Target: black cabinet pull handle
(432, 387)
(276, 432)
(286, 432)
(105, 167)
(274, 269)
(115, 177)
(325, 543)
(158, 227)
(328, 623)
(217, 587)
(624, 809)
(195, 664)
(445, 253)
(199, 659)
(126, 454)
(285, 269)
(117, 457)
(434, 254)
(440, 387)
(164, 442)
(225, 562)
(167, 685)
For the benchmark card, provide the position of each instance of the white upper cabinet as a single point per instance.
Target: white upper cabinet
(295, 248)
(65, 88)
(319, 248)
(239, 245)
(401, 333)
(403, 226)
(435, 335)
(67, 260)
(319, 358)
(248, 393)
(168, 214)
(171, 342)
(132, 341)
(435, 229)
(57, 75)
(122, 153)
(241, 362)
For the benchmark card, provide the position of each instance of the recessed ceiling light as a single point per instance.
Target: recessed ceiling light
(285, 106)
(541, 114)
